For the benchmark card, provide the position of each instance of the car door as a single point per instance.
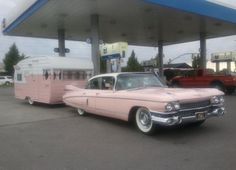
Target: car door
(189, 79)
(105, 97)
(89, 95)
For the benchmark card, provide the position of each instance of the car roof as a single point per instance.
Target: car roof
(117, 74)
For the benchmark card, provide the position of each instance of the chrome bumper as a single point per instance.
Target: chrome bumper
(178, 119)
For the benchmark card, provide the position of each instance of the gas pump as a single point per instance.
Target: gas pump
(114, 54)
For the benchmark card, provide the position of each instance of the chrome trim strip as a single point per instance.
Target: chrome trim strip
(175, 120)
(114, 98)
(196, 108)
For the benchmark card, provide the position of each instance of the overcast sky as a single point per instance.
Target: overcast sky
(36, 47)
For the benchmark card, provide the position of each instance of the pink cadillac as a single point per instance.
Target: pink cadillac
(142, 97)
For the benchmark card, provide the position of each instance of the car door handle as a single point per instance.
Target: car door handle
(97, 94)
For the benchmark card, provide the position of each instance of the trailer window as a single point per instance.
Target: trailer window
(54, 75)
(57, 75)
(67, 75)
(77, 75)
(90, 75)
(84, 75)
(70, 75)
(46, 74)
(19, 77)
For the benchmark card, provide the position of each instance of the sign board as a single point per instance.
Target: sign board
(115, 50)
(56, 50)
(223, 57)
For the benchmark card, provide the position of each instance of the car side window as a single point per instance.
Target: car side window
(108, 83)
(94, 84)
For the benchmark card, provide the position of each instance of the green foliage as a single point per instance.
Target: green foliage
(12, 57)
(133, 65)
(196, 63)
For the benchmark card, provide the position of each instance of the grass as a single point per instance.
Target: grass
(6, 86)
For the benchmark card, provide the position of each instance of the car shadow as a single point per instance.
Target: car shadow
(44, 105)
(162, 132)
(185, 131)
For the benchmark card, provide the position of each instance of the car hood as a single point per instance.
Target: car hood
(174, 94)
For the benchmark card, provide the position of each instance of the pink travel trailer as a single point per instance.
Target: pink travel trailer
(43, 79)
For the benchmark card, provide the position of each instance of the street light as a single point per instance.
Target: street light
(184, 54)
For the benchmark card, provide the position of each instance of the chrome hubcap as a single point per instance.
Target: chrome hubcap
(145, 119)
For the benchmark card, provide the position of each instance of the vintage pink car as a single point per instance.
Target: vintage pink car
(142, 97)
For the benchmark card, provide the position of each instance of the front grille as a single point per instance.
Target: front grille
(193, 112)
(193, 105)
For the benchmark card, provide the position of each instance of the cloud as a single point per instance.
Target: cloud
(7, 4)
(226, 3)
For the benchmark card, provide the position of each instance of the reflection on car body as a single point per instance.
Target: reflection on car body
(143, 98)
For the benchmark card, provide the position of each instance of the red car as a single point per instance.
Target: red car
(206, 78)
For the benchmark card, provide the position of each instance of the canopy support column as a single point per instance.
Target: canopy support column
(229, 66)
(160, 58)
(61, 42)
(203, 50)
(95, 43)
(217, 66)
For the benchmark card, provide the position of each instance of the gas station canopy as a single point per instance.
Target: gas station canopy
(138, 22)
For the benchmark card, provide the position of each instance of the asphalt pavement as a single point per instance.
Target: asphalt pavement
(43, 137)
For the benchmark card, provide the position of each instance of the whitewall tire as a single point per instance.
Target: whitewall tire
(144, 121)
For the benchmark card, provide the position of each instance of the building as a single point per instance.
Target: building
(222, 66)
(151, 65)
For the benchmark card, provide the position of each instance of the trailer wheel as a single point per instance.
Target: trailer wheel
(30, 101)
(81, 112)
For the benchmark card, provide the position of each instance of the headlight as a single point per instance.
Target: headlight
(217, 100)
(172, 107)
(169, 107)
(222, 100)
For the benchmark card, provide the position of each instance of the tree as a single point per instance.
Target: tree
(12, 57)
(196, 63)
(133, 65)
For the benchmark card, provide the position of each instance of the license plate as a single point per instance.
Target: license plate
(200, 115)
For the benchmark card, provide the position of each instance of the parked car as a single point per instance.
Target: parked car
(143, 98)
(206, 78)
(7, 80)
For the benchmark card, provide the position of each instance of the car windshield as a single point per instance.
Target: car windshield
(137, 80)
